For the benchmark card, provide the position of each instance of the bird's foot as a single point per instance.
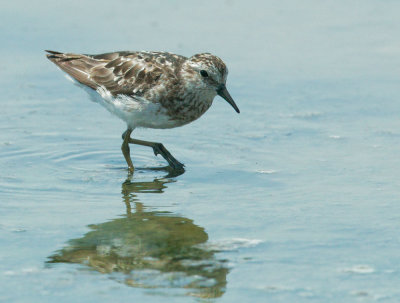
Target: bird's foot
(159, 149)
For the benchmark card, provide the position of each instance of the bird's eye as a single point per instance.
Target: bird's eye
(203, 73)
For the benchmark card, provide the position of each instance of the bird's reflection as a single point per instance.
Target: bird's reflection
(150, 248)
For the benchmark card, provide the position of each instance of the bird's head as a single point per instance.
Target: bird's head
(209, 73)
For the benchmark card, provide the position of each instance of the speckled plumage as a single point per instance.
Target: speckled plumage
(149, 89)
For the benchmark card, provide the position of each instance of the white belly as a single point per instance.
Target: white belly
(135, 111)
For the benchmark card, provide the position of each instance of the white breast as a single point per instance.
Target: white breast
(135, 111)
(140, 112)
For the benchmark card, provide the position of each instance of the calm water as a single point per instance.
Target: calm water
(294, 200)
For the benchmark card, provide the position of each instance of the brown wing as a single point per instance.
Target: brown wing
(130, 73)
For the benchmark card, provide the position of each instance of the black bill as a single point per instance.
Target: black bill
(223, 92)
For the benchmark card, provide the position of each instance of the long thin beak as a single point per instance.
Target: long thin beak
(223, 92)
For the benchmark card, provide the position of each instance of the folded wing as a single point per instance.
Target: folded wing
(128, 73)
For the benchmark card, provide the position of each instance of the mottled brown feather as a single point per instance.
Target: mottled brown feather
(129, 73)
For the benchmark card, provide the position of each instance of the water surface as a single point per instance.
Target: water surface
(294, 200)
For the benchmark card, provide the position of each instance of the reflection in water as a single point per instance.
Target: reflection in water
(149, 249)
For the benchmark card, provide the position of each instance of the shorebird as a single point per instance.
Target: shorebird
(149, 89)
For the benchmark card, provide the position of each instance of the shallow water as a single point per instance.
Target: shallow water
(294, 200)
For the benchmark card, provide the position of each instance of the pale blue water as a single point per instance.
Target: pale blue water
(294, 200)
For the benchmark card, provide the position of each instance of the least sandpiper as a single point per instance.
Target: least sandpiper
(149, 89)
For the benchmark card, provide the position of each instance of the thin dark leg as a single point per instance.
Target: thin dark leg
(158, 148)
(125, 148)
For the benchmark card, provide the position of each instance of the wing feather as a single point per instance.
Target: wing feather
(128, 73)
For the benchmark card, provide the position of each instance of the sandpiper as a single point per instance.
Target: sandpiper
(149, 89)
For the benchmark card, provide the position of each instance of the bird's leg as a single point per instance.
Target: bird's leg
(158, 148)
(125, 148)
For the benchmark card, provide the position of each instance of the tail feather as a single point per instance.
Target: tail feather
(75, 65)
(53, 52)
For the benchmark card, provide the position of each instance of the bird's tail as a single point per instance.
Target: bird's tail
(75, 65)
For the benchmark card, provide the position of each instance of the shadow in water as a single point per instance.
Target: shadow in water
(149, 248)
